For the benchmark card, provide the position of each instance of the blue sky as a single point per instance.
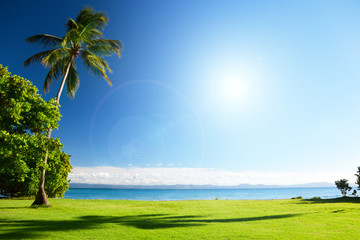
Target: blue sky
(251, 91)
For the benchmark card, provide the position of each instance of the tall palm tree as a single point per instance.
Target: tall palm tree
(83, 38)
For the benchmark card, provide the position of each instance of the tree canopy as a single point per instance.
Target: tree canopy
(24, 119)
(83, 39)
(343, 186)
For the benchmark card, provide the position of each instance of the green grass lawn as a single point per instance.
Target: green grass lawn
(208, 219)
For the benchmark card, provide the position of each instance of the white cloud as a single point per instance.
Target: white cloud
(196, 176)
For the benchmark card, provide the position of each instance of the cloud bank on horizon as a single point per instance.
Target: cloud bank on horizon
(196, 176)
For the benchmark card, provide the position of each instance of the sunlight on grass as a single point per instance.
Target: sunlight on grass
(125, 219)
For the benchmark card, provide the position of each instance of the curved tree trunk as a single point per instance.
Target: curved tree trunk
(41, 198)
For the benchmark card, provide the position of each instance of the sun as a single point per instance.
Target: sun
(234, 89)
(231, 89)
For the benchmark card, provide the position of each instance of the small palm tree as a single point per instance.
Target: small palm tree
(83, 38)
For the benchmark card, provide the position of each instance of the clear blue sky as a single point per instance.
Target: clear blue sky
(233, 86)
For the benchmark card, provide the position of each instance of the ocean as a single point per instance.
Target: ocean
(201, 194)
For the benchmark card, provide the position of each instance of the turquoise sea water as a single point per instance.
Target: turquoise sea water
(200, 194)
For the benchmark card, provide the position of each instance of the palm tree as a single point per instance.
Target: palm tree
(83, 38)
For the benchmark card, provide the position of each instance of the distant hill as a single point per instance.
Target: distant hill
(240, 186)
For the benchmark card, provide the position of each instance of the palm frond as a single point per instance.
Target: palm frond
(104, 47)
(96, 65)
(45, 40)
(102, 63)
(71, 37)
(94, 34)
(73, 82)
(100, 20)
(104, 51)
(37, 58)
(91, 23)
(108, 42)
(55, 72)
(84, 14)
(55, 56)
(90, 34)
(71, 24)
(88, 17)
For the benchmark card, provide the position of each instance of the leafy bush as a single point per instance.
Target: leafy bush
(343, 186)
(24, 119)
(316, 198)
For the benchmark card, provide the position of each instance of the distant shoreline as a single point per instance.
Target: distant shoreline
(199, 187)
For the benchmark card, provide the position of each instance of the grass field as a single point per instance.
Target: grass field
(208, 219)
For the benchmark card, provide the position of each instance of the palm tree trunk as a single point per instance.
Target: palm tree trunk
(63, 82)
(41, 198)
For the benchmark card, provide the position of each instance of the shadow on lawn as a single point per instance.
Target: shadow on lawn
(39, 228)
(332, 200)
(13, 207)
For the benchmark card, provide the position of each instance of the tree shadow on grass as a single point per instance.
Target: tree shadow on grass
(13, 207)
(331, 200)
(189, 220)
(23, 229)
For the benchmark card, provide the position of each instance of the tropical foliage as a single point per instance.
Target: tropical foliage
(24, 119)
(83, 38)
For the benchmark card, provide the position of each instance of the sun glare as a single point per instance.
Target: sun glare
(231, 89)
